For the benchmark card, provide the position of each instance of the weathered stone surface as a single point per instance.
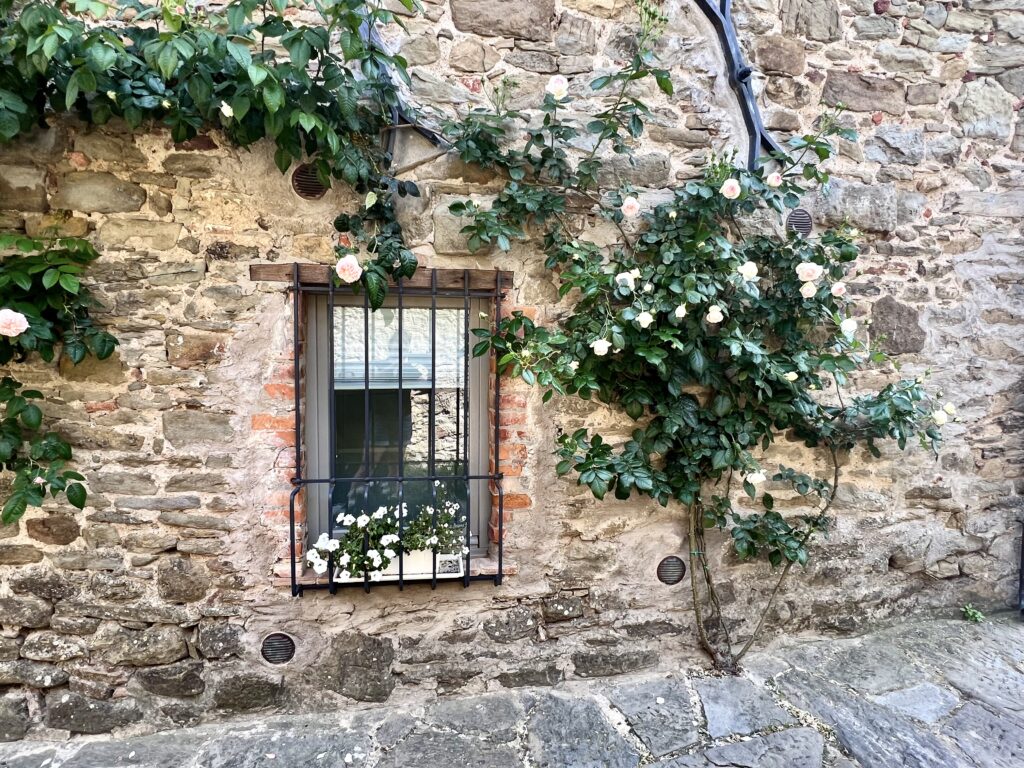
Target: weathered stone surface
(34, 674)
(59, 224)
(988, 738)
(143, 648)
(180, 580)
(24, 612)
(604, 8)
(985, 110)
(734, 705)
(19, 554)
(660, 713)
(182, 428)
(359, 666)
(508, 18)
(778, 53)
(893, 144)
(925, 702)
(14, 719)
(1013, 81)
(1009, 204)
(160, 751)
(897, 327)
(78, 714)
(605, 663)
(562, 608)
(22, 188)
(190, 349)
(97, 193)
(182, 679)
(794, 748)
(863, 93)
(140, 233)
(53, 529)
(644, 170)
(543, 675)
(52, 646)
(421, 49)
(219, 639)
(445, 748)
(870, 207)
(876, 27)
(41, 582)
(575, 36)
(99, 145)
(473, 56)
(873, 736)
(9, 649)
(563, 731)
(237, 690)
(494, 716)
(511, 625)
(813, 19)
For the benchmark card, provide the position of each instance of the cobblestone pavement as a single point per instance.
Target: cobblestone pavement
(925, 694)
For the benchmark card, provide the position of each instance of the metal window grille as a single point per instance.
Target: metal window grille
(334, 488)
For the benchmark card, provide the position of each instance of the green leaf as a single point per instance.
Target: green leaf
(69, 283)
(32, 417)
(76, 495)
(240, 53)
(257, 74)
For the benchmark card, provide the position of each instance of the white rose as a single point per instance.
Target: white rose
(630, 207)
(390, 554)
(348, 268)
(226, 110)
(558, 86)
(714, 315)
(939, 417)
(362, 521)
(625, 280)
(680, 312)
(730, 189)
(381, 511)
(748, 270)
(756, 478)
(111, 95)
(600, 347)
(645, 319)
(848, 327)
(648, 287)
(348, 520)
(791, 376)
(808, 290)
(950, 409)
(574, 366)
(12, 323)
(808, 271)
(838, 289)
(774, 180)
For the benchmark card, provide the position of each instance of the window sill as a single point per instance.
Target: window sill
(479, 566)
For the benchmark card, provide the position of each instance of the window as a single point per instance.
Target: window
(396, 413)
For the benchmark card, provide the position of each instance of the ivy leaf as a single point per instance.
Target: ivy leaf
(257, 74)
(664, 82)
(376, 287)
(32, 417)
(273, 97)
(240, 53)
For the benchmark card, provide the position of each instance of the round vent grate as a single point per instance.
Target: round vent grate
(671, 570)
(799, 221)
(278, 648)
(306, 184)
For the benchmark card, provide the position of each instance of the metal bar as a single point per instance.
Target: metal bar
(394, 479)
(466, 351)
(440, 280)
(367, 437)
(401, 437)
(332, 425)
(432, 448)
(296, 384)
(497, 435)
(351, 584)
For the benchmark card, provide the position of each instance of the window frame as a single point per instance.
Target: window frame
(308, 280)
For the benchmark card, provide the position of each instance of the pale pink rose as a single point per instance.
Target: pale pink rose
(838, 289)
(808, 271)
(808, 290)
(774, 180)
(600, 347)
(630, 207)
(39, 480)
(730, 189)
(12, 323)
(348, 269)
(558, 86)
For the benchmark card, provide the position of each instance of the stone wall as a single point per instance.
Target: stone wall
(148, 608)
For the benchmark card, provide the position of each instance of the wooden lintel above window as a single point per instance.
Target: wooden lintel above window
(447, 279)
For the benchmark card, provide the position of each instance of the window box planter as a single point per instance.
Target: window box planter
(418, 564)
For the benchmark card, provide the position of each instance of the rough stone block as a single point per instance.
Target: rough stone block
(19, 554)
(219, 640)
(24, 612)
(870, 207)
(606, 663)
(735, 706)
(34, 674)
(146, 647)
(863, 93)
(505, 18)
(564, 731)
(78, 714)
(97, 193)
(359, 666)
(14, 718)
(897, 326)
(777, 53)
(182, 679)
(237, 690)
(22, 188)
(185, 428)
(179, 580)
(54, 529)
(140, 233)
